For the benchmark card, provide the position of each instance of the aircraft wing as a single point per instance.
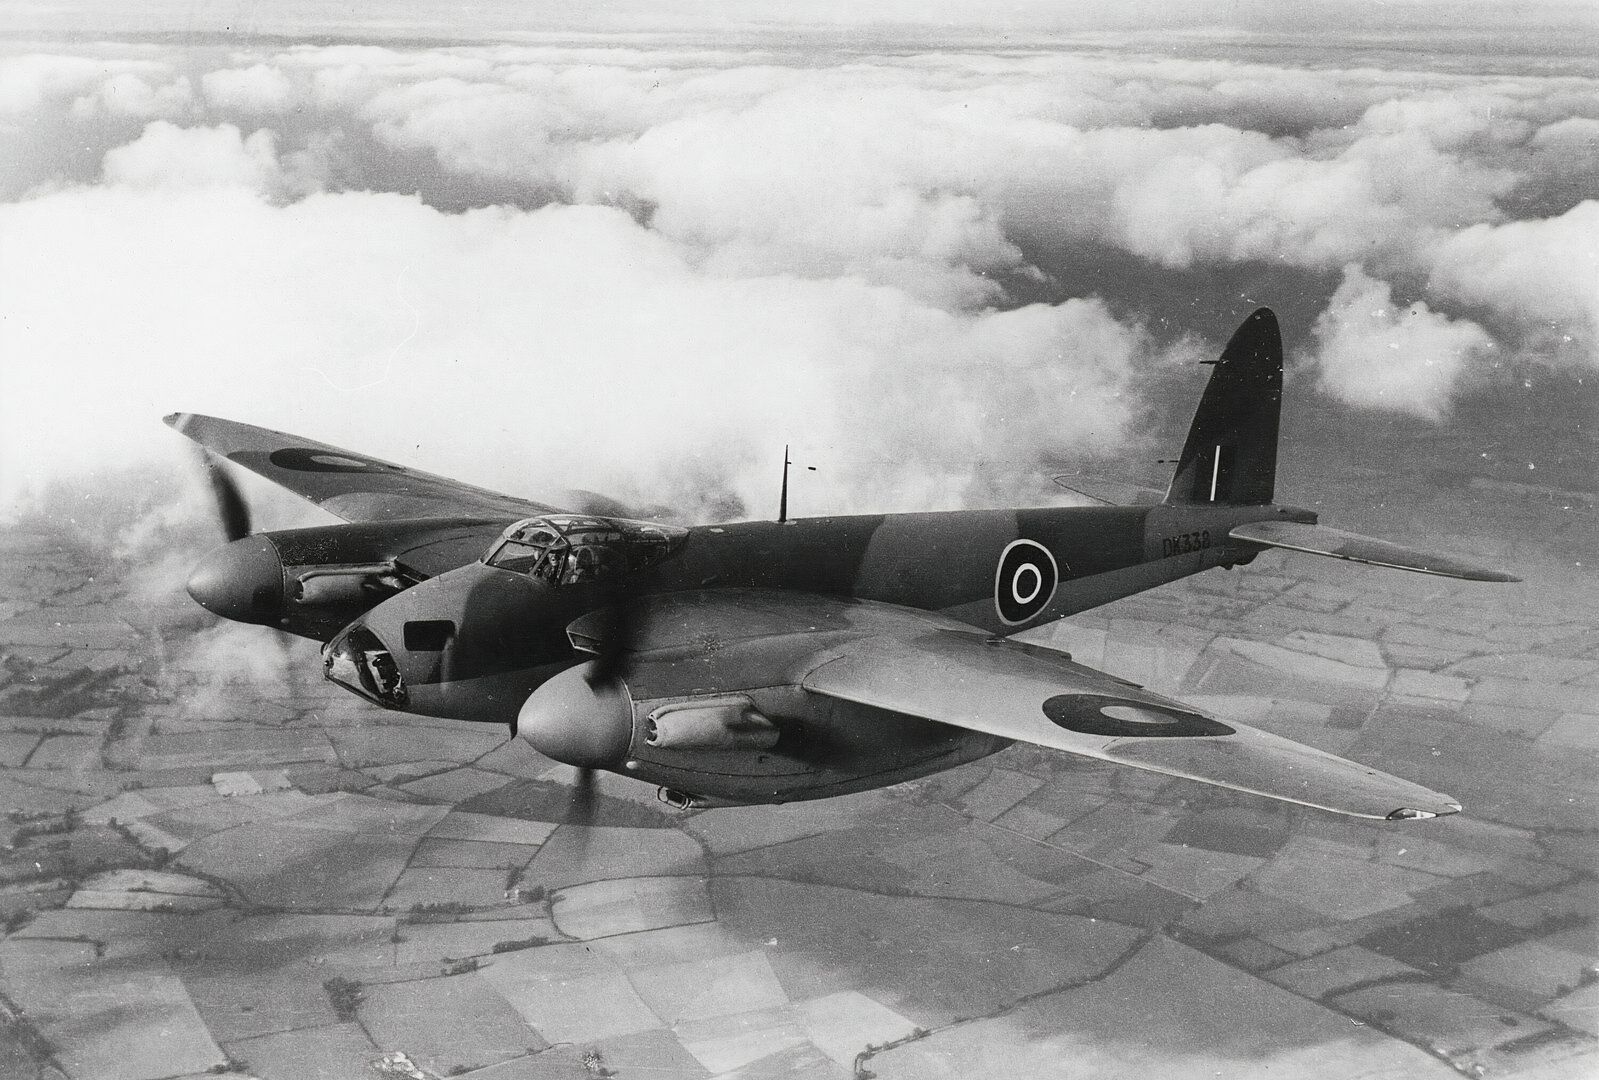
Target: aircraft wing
(352, 486)
(1026, 695)
(925, 665)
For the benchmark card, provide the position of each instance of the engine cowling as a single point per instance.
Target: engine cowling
(591, 724)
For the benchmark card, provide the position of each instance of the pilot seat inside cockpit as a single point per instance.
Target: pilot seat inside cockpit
(570, 549)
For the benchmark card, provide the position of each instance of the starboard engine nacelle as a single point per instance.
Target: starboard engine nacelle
(313, 582)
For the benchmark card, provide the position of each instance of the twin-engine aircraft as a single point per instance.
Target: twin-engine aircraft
(772, 661)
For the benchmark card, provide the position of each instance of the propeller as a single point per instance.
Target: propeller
(614, 660)
(232, 511)
(581, 808)
(620, 625)
(580, 811)
(608, 671)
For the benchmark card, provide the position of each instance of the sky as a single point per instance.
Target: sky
(922, 18)
(943, 261)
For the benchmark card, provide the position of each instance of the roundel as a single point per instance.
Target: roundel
(306, 459)
(1025, 582)
(1097, 714)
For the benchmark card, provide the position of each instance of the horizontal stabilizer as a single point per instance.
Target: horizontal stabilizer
(1320, 540)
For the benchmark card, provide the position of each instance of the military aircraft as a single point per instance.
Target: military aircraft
(770, 661)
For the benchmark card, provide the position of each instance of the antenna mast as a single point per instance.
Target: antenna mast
(782, 499)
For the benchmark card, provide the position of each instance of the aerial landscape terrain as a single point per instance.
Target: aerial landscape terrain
(219, 863)
(644, 251)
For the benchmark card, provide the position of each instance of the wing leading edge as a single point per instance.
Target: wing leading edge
(352, 486)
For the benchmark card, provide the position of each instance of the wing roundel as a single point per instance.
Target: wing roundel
(1032, 695)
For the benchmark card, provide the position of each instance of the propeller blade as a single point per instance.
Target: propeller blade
(231, 508)
(580, 810)
(582, 806)
(618, 623)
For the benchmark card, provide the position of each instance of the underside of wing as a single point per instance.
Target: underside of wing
(352, 486)
(924, 665)
(1025, 693)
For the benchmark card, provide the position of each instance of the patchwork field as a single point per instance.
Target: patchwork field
(219, 864)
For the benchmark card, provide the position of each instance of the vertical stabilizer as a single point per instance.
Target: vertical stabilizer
(1230, 458)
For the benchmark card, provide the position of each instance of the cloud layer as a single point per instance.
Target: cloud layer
(645, 267)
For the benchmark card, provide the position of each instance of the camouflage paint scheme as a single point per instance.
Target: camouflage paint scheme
(943, 562)
(771, 661)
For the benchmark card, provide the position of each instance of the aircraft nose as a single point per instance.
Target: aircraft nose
(242, 581)
(575, 723)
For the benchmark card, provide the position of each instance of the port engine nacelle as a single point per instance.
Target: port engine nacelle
(772, 744)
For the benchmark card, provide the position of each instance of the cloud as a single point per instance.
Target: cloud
(168, 155)
(1540, 276)
(937, 273)
(130, 95)
(259, 88)
(572, 343)
(31, 82)
(1374, 352)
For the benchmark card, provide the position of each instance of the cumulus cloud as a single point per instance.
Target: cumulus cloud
(210, 156)
(34, 82)
(525, 350)
(1374, 352)
(940, 273)
(259, 88)
(1539, 276)
(131, 95)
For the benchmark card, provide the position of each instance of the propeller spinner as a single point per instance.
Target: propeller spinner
(577, 719)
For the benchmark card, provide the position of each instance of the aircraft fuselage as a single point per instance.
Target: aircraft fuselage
(472, 643)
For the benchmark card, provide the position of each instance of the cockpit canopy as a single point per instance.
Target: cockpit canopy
(574, 549)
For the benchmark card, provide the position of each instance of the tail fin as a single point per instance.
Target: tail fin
(1230, 458)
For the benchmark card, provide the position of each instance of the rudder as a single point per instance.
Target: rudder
(1230, 458)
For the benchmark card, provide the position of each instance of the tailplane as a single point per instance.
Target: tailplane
(1230, 458)
(1335, 543)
